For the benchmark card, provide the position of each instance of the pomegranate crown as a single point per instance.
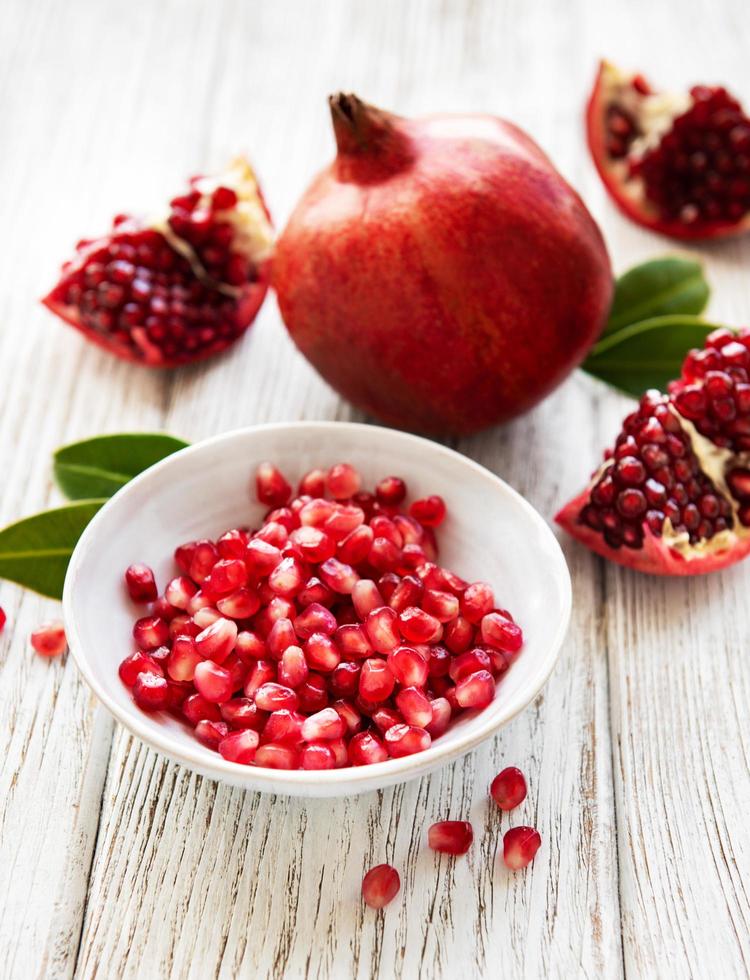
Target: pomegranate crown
(367, 134)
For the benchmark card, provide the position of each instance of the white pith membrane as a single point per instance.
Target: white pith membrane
(715, 461)
(253, 234)
(652, 114)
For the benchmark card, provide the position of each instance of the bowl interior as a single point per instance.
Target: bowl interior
(491, 534)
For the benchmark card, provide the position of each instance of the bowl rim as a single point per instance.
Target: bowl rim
(389, 771)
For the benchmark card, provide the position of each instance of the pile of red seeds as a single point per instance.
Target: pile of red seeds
(382, 883)
(329, 637)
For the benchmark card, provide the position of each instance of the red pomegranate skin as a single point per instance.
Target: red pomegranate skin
(440, 274)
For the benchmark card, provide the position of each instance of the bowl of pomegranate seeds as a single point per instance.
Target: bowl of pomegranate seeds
(316, 608)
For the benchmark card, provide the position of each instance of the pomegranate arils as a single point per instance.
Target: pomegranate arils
(451, 836)
(429, 511)
(280, 649)
(3, 618)
(48, 640)
(520, 845)
(140, 583)
(508, 788)
(380, 886)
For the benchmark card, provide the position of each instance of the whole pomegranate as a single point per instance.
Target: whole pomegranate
(179, 287)
(676, 163)
(673, 495)
(440, 273)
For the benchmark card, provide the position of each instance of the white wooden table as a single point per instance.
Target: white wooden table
(116, 863)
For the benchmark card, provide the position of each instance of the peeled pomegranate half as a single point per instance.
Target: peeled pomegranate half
(673, 496)
(676, 163)
(178, 288)
(440, 273)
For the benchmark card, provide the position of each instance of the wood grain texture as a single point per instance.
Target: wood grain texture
(115, 863)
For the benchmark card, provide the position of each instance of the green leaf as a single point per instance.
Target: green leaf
(99, 467)
(661, 287)
(35, 551)
(647, 354)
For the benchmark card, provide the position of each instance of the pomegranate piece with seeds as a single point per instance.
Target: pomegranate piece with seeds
(676, 163)
(520, 845)
(508, 788)
(48, 640)
(380, 886)
(280, 650)
(180, 287)
(673, 495)
(451, 836)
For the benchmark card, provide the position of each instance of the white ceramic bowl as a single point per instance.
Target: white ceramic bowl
(491, 533)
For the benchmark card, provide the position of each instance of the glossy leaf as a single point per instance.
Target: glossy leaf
(648, 354)
(661, 287)
(98, 467)
(35, 551)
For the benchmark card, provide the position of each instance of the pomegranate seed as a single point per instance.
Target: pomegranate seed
(217, 641)
(387, 584)
(376, 682)
(408, 666)
(183, 659)
(275, 756)
(342, 481)
(199, 601)
(315, 619)
(469, 663)
(344, 680)
(270, 486)
(430, 511)
(195, 708)
(403, 740)
(225, 577)
(138, 663)
(344, 521)
(203, 558)
(243, 713)
(451, 836)
(384, 555)
(316, 512)
(390, 491)
(293, 669)
(382, 629)
(149, 632)
(323, 725)
(183, 556)
(213, 682)
(408, 592)
(281, 636)
(417, 626)
(277, 535)
(313, 695)
(233, 544)
(288, 578)
(140, 582)
(502, 633)
(351, 718)
(439, 663)
(239, 746)
(261, 673)
(355, 547)
(380, 886)
(211, 733)
(340, 753)
(3, 618)
(508, 788)
(316, 591)
(366, 597)
(150, 691)
(384, 527)
(415, 706)
(321, 653)
(520, 845)
(283, 727)
(441, 717)
(206, 616)
(261, 558)
(313, 483)
(315, 544)
(180, 591)
(250, 647)
(241, 604)
(317, 755)
(442, 605)
(366, 749)
(338, 576)
(386, 718)
(476, 691)
(275, 697)
(353, 642)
